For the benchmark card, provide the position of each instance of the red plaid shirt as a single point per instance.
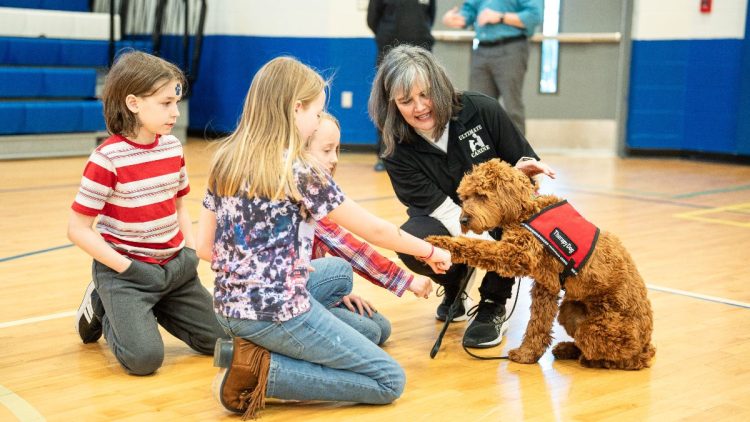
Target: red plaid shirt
(366, 261)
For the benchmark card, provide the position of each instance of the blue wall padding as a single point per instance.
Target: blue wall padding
(67, 5)
(684, 96)
(29, 117)
(61, 52)
(228, 64)
(26, 82)
(743, 126)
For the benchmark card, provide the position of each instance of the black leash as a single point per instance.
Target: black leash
(452, 311)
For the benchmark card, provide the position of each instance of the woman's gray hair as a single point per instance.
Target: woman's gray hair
(403, 68)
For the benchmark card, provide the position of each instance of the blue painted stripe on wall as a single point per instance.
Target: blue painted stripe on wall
(683, 95)
(228, 64)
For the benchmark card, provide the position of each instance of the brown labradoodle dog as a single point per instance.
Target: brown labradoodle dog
(605, 308)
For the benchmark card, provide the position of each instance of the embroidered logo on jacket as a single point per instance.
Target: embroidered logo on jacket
(476, 144)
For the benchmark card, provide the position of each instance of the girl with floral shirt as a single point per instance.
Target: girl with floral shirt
(256, 228)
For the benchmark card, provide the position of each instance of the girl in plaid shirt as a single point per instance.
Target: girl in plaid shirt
(331, 239)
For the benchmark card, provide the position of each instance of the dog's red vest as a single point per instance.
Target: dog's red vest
(566, 234)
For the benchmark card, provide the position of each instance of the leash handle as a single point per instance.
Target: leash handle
(451, 311)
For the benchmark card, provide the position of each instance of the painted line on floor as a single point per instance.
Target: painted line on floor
(34, 320)
(712, 191)
(704, 215)
(19, 407)
(708, 298)
(37, 252)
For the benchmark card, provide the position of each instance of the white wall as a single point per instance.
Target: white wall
(682, 19)
(288, 18)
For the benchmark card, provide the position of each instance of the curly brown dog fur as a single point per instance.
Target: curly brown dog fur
(605, 308)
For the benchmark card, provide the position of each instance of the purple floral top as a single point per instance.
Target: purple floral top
(262, 249)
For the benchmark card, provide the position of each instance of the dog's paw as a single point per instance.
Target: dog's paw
(522, 355)
(449, 243)
(445, 242)
(566, 350)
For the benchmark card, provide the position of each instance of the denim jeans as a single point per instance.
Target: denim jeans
(329, 292)
(316, 356)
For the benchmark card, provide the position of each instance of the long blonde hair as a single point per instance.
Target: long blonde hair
(257, 157)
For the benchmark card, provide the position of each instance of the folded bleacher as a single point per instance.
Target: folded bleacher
(50, 61)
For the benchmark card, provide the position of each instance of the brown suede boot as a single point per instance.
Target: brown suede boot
(242, 386)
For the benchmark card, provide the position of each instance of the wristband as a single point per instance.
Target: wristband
(432, 251)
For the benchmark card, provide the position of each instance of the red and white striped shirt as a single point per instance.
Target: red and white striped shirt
(366, 261)
(133, 189)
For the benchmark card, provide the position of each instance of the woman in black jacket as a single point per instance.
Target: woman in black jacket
(432, 136)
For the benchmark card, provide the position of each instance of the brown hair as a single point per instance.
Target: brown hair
(139, 74)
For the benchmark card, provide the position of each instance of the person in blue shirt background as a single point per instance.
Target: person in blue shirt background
(499, 62)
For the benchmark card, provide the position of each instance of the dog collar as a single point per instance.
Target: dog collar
(566, 234)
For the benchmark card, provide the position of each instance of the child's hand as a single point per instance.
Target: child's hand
(362, 305)
(421, 287)
(439, 261)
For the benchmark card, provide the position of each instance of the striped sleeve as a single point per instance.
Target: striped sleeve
(365, 260)
(97, 185)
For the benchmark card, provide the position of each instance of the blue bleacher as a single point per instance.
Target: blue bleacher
(30, 82)
(33, 117)
(61, 52)
(67, 5)
(48, 85)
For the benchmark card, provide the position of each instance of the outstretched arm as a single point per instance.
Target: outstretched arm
(379, 232)
(504, 258)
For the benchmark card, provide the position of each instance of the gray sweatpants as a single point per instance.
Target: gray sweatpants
(499, 72)
(146, 294)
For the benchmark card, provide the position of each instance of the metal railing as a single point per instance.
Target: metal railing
(152, 20)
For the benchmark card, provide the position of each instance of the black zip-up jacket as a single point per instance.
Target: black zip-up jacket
(397, 22)
(423, 175)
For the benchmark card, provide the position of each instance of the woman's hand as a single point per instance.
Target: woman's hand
(533, 167)
(421, 287)
(439, 261)
(352, 300)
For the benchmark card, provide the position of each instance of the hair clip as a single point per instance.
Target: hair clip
(177, 89)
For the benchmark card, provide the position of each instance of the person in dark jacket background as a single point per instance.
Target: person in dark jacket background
(397, 22)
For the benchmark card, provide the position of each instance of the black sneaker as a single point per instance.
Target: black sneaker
(448, 297)
(88, 316)
(488, 327)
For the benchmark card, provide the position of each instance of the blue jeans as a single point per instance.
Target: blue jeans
(329, 291)
(316, 356)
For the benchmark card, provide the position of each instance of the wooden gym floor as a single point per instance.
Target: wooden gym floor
(687, 225)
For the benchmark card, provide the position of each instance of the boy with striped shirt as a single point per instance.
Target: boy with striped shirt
(145, 265)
